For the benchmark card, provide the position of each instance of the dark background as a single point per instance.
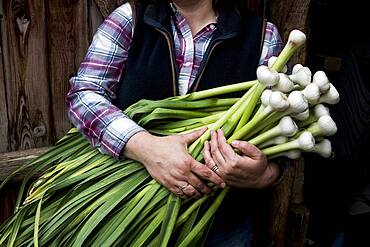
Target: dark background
(337, 191)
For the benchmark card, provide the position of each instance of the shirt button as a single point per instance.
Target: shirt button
(212, 26)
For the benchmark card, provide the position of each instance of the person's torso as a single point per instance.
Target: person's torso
(232, 55)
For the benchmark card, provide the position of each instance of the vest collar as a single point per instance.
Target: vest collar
(228, 25)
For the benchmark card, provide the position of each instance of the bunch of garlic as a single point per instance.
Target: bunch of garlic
(294, 112)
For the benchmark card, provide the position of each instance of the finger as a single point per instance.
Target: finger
(215, 152)
(207, 155)
(248, 149)
(192, 136)
(190, 191)
(225, 149)
(204, 172)
(209, 162)
(178, 192)
(198, 184)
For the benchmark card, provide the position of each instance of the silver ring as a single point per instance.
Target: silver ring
(214, 168)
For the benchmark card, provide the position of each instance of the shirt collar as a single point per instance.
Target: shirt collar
(178, 16)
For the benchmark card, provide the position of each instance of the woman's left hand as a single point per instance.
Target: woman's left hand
(250, 169)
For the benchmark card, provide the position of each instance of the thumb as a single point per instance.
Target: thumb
(247, 149)
(192, 136)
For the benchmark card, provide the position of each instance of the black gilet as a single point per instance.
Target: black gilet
(232, 57)
(151, 73)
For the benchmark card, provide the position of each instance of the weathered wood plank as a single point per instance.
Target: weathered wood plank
(298, 218)
(11, 161)
(95, 18)
(107, 6)
(288, 15)
(67, 30)
(3, 104)
(280, 203)
(25, 68)
(8, 197)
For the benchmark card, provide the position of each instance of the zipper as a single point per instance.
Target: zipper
(174, 86)
(200, 74)
(263, 32)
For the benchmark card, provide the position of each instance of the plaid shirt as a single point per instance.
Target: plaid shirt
(94, 87)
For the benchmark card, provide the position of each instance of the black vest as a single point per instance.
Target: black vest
(151, 73)
(232, 57)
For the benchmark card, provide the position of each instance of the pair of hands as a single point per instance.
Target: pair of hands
(168, 161)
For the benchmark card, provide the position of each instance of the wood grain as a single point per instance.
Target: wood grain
(25, 68)
(280, 204)
(11, 161)
(288, 15)
(3, 103)
(8, 197)
(67, 44)
(95, 18)
(107, 6)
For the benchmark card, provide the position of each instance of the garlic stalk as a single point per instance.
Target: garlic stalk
(331, 97)
(273, 141)
(320, 110)
(302, 116)
(302, 77)
(265, 97)
(296, 67)
(278, 101)
(292, 154)
(325, 126)
(304, 142)
(286, 127)
(267, 76)
(322, 81)
(323, 148)
(312, 93)
(296, 39)
(297, 102)
(271, 62)
(284, 84)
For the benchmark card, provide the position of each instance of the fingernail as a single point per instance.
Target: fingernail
(235, 143)
(223, 185)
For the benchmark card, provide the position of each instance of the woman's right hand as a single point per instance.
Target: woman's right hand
(168, 161)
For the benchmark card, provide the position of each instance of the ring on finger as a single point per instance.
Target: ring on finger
(214, 168)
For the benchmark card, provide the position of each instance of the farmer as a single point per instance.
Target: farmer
(158, 49)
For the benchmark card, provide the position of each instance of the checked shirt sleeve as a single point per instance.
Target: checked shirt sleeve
(272, 44)
(89, 100)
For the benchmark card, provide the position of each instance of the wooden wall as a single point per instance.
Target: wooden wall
(288, 216)
(42, 43)
(41, 46)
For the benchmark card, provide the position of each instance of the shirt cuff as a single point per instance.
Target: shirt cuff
(117, 134)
